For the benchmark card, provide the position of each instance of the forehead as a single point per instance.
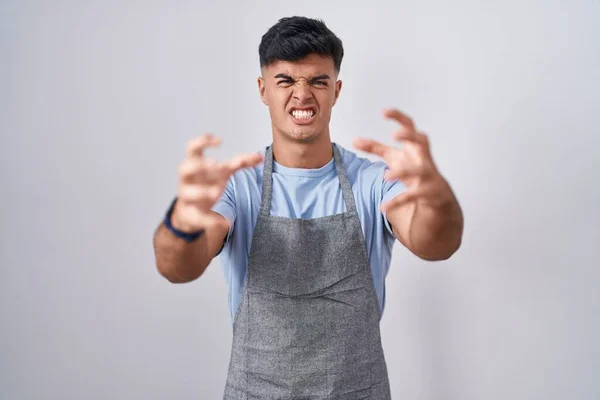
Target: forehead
(308, 66)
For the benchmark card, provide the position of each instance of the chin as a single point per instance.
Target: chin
(303, 135)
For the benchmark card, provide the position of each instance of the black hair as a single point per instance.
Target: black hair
(293, 38)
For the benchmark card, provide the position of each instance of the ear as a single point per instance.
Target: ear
(261, 90)
(338, 89)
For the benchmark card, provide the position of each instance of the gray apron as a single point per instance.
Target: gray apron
(308, 323)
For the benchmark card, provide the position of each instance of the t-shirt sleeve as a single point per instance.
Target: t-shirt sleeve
(226, 207)
(390, 189)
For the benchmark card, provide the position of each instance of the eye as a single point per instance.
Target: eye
(320, 83)
(285, 82)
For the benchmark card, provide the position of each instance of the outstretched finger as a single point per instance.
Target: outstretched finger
(202, 170)
(411, 136)
(372, 146)
(400, 117)
(197, 145)
(243, 161)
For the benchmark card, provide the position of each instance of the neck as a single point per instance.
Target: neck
(298, 154)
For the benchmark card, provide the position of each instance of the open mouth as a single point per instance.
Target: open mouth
(303, 114)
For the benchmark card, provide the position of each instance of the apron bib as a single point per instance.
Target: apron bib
(307, 326)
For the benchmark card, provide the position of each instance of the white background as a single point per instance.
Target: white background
(98, 100)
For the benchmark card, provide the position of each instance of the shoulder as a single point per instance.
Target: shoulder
(361, 169)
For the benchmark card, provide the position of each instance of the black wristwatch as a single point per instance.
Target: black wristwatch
(187, 236)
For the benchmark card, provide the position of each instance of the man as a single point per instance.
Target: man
(305, 230)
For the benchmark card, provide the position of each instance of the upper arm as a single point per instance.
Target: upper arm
(397, 221)
(217, 235)
(225, 208)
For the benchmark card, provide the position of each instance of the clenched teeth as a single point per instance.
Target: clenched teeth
(300, 114)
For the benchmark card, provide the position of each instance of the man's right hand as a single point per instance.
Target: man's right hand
(201, 184)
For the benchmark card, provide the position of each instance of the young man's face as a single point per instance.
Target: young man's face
(300, 95)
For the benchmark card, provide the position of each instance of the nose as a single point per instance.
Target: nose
(302, 90)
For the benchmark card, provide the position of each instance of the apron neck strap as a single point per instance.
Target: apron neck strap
(267, 183)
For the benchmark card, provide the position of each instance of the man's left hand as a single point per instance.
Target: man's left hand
(411, 164)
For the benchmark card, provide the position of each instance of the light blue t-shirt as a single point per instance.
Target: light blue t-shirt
(307, 193)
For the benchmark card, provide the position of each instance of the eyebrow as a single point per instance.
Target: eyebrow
(314, 78)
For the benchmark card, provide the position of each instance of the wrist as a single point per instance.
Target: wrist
(180, 224)
(440, 197)
(178, 228)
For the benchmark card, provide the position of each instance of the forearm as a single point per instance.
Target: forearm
(435, 233)
(177, 260)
